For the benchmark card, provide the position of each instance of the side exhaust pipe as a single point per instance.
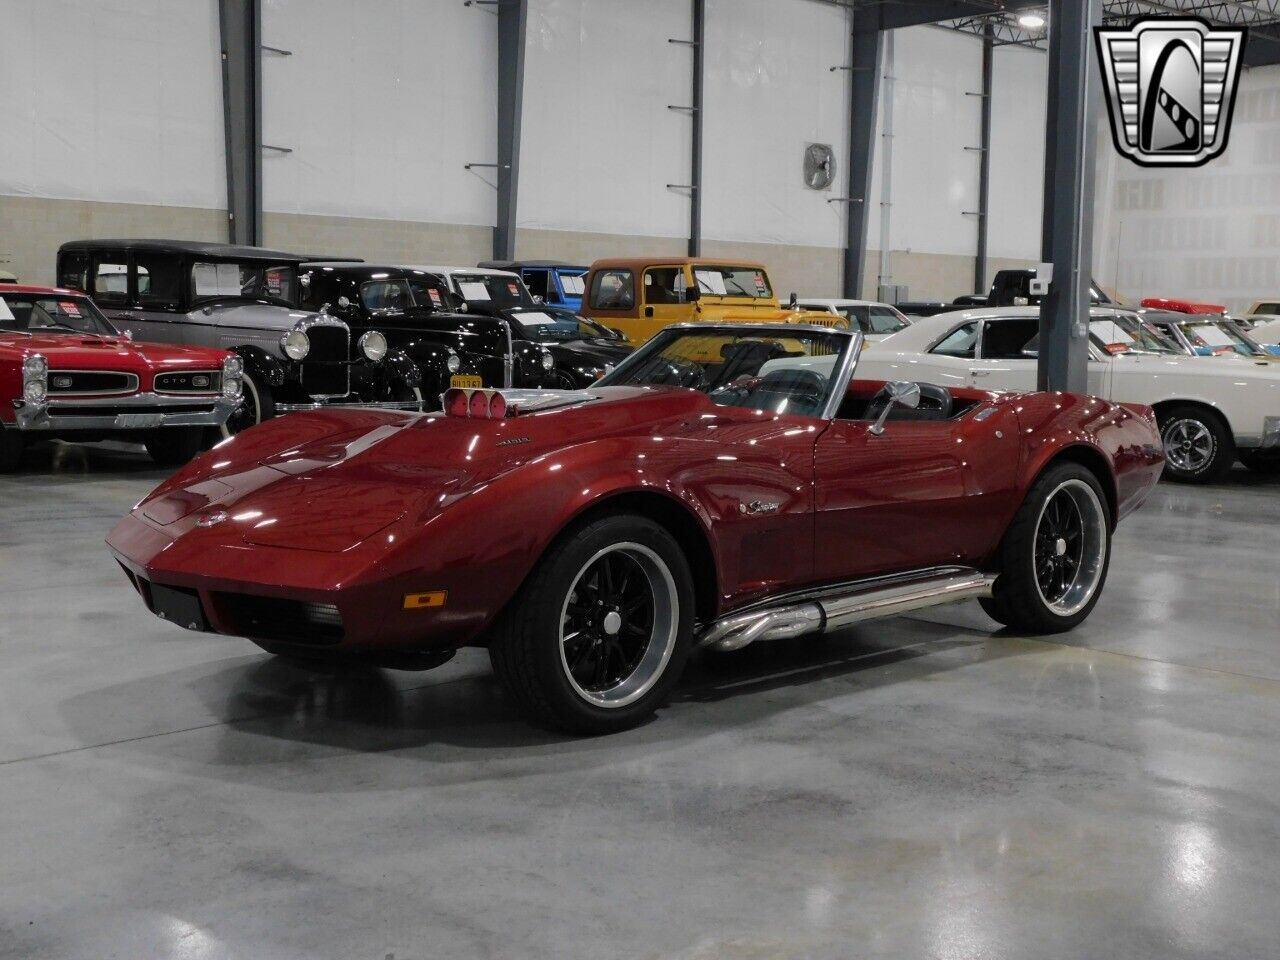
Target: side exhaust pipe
(847, 604)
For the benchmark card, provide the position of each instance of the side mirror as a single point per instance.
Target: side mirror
(692, 295)
(902, 393)
(539, 299)
(127, 334)
(794, 302)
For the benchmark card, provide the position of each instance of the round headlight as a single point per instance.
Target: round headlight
(295, 344)
(35, 366)
(33, 390)
(548, 361)
(373, 345)
(454, 363)
(232, 367)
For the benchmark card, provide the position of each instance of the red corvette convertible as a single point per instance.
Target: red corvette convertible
(66, 372)
(725, 484)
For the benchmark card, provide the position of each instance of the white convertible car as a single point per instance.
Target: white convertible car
(1210, 412)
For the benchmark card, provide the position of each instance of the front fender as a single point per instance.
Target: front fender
(261, 365)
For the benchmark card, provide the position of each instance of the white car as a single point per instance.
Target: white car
(481, 288)
(875, 320)
(1210, 412)
(1266, 329)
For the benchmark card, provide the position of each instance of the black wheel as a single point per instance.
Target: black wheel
(1197, 445)
(256, 405)
(560, 380)
(1260, 463)
(601, 629)
(10, 449)
(1054, 557)
(173, 446)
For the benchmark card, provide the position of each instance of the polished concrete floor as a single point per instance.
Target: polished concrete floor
(920, 788)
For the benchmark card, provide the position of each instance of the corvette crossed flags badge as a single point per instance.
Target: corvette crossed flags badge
(1171, 87)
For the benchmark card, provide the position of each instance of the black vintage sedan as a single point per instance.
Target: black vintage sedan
(420, 317)
(583, 350)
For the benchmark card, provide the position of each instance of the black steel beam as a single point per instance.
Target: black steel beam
(1067, 243)
(875, 15)
(864, 92)
(699, 84)
(240, 24)
(513, 19)
(984, 164)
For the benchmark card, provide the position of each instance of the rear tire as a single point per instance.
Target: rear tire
(174, 446)
(1055, 554)
(601, 630)
(1198, 447)
(11, 445)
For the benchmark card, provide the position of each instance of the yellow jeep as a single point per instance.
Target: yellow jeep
(638, 297)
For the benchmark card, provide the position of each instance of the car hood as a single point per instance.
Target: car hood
(602, 352)
(251, 314)
(341, 477)
(69, 351)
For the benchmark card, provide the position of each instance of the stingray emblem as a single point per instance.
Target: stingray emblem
(1171, 87)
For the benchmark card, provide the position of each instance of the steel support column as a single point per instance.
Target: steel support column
(1067, 241)
(864, 90)
(513, 18)
(984, 164)
(695, 174)
(240, 23)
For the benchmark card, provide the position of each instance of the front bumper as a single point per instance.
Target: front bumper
(140, 411)
(414, 405)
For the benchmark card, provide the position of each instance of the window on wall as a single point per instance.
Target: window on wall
(613, 290)
(111, 281)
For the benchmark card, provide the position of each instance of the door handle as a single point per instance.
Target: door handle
(980, 373)
(648, 311)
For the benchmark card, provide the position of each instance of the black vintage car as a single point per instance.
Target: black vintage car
(419, 316)
(583, 350)
(244, 299)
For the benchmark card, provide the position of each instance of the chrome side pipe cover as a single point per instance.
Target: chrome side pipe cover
(846, 604)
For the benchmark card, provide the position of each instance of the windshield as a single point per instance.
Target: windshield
(500, 289)
(875, 319)
(258, 281)
(733, 282)
(1124, 333)
(773, 372)
(560, 325)
(66, 314)
(1215, 336)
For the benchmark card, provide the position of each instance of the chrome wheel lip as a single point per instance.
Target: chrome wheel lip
(1189, 445)
(249, 388)
(662, 639)
(1088, 574)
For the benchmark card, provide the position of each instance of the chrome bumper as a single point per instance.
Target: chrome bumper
(414, 405)
(135, 412)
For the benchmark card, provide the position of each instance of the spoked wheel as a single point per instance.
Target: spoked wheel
(256, 405)
(601, 629)
(1054, 558)
(1197, 445)
(619, 624)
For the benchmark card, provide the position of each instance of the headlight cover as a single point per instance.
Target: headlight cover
(454, 363)
(373, 345)
(232, 367)
(548, 361)
(295, 344)
(34, 390)
(35, 367)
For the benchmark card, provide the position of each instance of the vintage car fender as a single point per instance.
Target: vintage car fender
(261, 365)
(401, 366)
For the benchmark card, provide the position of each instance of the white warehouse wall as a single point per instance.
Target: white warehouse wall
(1019, 80)
(113, 125)
(598, 143)
(382, 103)
(1211, 233)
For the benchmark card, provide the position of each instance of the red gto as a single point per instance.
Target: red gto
(725, 484)
(66, 372)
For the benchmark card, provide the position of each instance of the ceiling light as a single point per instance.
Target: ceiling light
(1032, 21)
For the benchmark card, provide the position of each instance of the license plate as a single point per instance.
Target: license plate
(139, 421)
(181, 607)
(466, 381)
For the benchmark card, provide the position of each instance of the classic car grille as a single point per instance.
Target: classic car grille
(326, 371)
(69, 382)
(835, 323)
(272, 618)
(192, 381)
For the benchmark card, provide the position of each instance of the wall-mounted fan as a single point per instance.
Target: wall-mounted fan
(819, 166)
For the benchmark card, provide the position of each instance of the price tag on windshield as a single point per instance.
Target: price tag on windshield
(513, 289)
(5, 312)
(69, 307)
(434, 294)
(473, 291)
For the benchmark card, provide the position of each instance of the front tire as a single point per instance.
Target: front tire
(601, 630)
(1198, 447)
(256, 404)
(1055, 554)
(174, 446)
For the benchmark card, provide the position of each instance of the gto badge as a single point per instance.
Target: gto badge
(211, 519)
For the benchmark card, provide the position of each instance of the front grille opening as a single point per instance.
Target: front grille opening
(90, 382)
(141, 585)
(273, 618)
(189, 381)
(326, 371)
